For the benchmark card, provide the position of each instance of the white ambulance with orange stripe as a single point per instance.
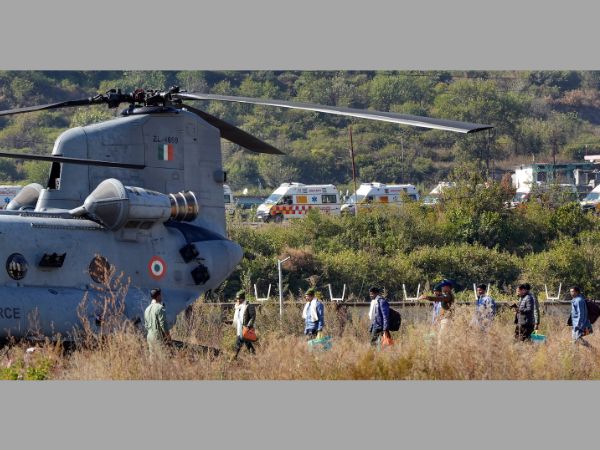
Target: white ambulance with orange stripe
(294, 200)
(379, 193)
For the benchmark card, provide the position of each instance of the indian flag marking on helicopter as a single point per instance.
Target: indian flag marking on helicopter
(157, 267)
(166, 152)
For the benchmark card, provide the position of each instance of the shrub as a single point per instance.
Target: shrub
(568, 262)
(466, 264)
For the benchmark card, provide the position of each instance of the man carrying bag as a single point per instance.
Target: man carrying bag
(243, 320)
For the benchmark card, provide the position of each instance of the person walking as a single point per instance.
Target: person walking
(485, 308)
(244, 316)
(524, 315)
(379, 313)
(313, 315)
(446, 303)
(155, 322)
(536, 307)
(579, 316)
(435, 312)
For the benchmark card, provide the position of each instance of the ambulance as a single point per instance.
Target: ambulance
(293, 200)
(379, 193)
(229, 200)
(7, 193)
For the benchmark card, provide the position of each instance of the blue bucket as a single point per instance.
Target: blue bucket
(320, 344)
(538, 338)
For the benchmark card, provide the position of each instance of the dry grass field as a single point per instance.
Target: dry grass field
(465, 353)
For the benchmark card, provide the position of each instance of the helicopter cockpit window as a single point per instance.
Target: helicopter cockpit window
(16, 266)
(100, 269)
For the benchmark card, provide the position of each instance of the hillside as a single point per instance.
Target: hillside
(535, 114)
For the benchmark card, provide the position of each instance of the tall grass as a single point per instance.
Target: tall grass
(464, 353)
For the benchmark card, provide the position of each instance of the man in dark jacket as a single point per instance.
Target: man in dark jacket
(524, 316)
(379, 313)
(243, 316)
(536, 306)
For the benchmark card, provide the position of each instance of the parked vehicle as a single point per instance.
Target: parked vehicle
(592, 201)
(434, 196)
(379, 193)
(229, 199)
(247, 205)
(294, 200)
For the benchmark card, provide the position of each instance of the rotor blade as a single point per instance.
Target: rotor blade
(235, 134)
(406, 119)
(67, 104)
(68, 160)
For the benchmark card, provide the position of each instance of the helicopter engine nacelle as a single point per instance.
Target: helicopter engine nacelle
(26, 198)
(115, 205)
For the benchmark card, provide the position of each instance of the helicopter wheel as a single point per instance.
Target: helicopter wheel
(278, 218)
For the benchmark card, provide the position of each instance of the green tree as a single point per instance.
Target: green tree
(91, 114)
(36, 172)
(275, 170)
(480, 102)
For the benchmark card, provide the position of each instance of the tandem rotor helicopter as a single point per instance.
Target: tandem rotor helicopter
(141, 194)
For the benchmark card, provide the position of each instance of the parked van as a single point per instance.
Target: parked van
(379, 193)
(434, 196)
(229, 200)
(592, 200)
(293, 200)
(7, 193)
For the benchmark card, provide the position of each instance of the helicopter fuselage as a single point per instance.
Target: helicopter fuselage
(51, 253)
(42, 294)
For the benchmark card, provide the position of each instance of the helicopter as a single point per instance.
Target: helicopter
(141, 194)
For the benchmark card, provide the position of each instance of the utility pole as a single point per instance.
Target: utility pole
(402, 156)
(490, 134)
(353, 172)
(279, 263)
(554, 145)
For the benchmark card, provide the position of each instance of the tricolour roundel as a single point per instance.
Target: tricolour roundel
(157, 267)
